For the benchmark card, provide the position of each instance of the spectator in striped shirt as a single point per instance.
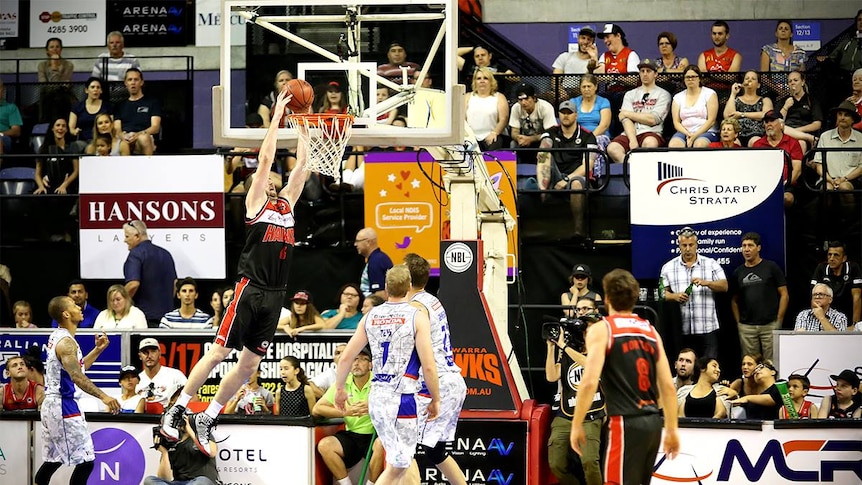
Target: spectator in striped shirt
(112, 65)
(821, 318)
(691, 280)
(187, 315)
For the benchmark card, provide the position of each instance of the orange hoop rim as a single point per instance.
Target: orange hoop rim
(315, 119)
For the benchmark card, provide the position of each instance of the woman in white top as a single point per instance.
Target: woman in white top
(120, 314)
(694, 113)
(487, 110)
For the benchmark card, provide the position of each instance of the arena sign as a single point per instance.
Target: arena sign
(721, 194)
(180, 199)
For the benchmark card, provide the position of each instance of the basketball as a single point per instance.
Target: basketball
(303, 95)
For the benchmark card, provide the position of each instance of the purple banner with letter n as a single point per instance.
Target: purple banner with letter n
(720, 194)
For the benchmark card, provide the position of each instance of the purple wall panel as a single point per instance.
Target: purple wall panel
(545, 41)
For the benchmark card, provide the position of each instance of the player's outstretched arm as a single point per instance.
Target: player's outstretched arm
(101, 344)
(298, 176)
(426, 357)
(256, 197)
(356, 343)
(67, 352)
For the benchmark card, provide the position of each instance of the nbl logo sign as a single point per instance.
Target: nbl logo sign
(458, 257)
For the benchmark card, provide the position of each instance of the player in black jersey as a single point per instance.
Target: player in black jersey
(628, 354)
(250, 319)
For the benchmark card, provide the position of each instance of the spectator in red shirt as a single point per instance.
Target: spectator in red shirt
(775, 138)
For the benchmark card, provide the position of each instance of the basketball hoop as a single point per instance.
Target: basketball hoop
(325, 136)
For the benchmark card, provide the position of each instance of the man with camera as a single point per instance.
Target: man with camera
(181, 462)
(564, 365)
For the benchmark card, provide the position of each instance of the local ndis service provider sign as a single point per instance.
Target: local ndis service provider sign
(179, 198)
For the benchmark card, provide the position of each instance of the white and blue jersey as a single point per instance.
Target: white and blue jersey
(66, 438)
(57, 381)
(453, 389)
(440, 337)
(391, 332)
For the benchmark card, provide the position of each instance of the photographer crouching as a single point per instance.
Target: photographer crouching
(182, 463)
(564, 365)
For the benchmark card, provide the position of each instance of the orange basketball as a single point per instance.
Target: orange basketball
(303, 95)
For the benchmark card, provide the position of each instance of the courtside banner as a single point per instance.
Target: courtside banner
(247, 454)
(721, 194)
(486, 451)
(180, 198)
(804, 455)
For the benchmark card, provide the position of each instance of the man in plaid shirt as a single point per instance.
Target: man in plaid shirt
(821, 318)
(704, 276)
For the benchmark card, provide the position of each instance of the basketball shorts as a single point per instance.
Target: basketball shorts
(632, 445)
(251, 318)
(396, 424)
(65, 440)
(453, 391)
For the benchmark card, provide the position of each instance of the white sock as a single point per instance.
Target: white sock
(345, 481)
(183, 400)
(370, 482)
(213, 409)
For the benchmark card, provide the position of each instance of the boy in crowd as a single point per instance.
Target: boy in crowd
(846, 402)
(798, 386)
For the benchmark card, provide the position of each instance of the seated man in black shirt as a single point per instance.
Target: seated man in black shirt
(567, 170)
(139, 118)
(182, 461)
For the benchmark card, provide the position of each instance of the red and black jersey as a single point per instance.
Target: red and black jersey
(629, 374)
(269, 240)
(28, 401)
(718, 63)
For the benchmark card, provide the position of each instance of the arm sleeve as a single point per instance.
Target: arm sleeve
(628, 100)
(662, 106)
(632, 62)
(548, 117)
(132, 268)
(514, 116)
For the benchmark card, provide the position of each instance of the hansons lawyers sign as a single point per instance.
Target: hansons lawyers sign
(180, 199)
(721, 194)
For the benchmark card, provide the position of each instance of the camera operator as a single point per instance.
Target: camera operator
(182, 463)
(564, 365)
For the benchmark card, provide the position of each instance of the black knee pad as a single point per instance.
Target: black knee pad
(82, 472)
(437, 454)
(45, 472)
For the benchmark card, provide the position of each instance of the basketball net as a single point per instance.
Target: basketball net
(325, 137)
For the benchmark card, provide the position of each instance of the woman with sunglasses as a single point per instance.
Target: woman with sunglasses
(765, 405)
(579, 287)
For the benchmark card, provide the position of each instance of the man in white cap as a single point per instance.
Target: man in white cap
(158, 382)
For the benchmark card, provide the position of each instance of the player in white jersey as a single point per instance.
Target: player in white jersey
(64, 429)
(434, 435)
(400, 341)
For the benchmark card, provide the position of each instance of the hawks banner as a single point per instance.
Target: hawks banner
(180, 198)
(721, 194)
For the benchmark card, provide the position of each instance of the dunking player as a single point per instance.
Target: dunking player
(64, 430)
(628, 354)
(434, 435)
(250, 320)
(400, 339)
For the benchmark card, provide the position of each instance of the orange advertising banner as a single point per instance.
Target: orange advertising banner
(406, 204)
